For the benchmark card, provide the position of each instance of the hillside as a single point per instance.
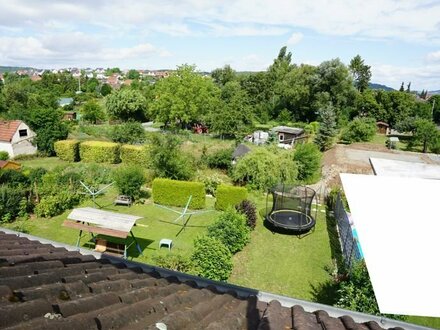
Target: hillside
(380, 86)
(12, 68)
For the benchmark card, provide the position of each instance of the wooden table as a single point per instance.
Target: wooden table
(101, 222)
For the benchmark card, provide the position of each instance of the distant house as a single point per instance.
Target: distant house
(9, 165)
(239, 152)
(383, 128)
(69, 115)
(65, 101)
(16, 138)
(259, 137)
(288, 135)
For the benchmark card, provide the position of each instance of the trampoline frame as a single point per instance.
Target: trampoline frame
(308, 225)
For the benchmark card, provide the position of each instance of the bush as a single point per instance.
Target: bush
(220, 159)
(211, 183)
(99, 152)
(168, 161)
(53, 205)
(263, 168)
(130, 132)
(134, 155)
(67, 150)
(308, 158)
(249, 210)
(359, 130)
(212, 259)
(176, 262)
(11, 205)
(176, 193)
(230, 228)
(4, 155)
(229, 196)
(129, 180)
(13, 178)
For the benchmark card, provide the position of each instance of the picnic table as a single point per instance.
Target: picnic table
(100, 222)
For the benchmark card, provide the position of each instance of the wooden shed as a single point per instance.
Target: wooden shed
(382, 127)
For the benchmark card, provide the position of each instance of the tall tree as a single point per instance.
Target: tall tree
(402, 87)
(426, 133)
(408, 87)
(361, 73)
(327, 128)
(126, 104)
(223, 75)
(92, 112)
(184, 97)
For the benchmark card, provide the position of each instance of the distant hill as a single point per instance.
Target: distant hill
(12, 68)
(379, 86)
(434, 92)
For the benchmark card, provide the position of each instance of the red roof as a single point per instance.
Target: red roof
(8, 129)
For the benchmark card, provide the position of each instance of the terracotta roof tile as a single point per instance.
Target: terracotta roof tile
(46, 287)
(8, 129)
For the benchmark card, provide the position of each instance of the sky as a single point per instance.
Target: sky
(399, 39)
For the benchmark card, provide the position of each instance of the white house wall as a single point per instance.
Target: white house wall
(6, 146)
(20, 145)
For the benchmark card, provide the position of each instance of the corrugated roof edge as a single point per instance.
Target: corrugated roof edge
(240, 291)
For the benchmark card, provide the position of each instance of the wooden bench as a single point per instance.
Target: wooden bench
(123, 200)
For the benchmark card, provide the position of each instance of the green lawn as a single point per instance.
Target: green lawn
(285, 264)
(49, 163)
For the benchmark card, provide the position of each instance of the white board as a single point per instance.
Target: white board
(398, 224)
(389, 167)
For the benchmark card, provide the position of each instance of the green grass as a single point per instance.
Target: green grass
(432, 322)
(49, 163)
(284, 264)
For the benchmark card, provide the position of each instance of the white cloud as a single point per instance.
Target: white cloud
(295, 38)
(433, 56)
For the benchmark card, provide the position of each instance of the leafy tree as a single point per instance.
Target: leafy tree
(220, 159)
(361, 73)
(249, 210)
(223, 75)
(308, 157)
(212, 259)
(183, 98)
(130, 132)
(367, 105)
(92, 85)
(48, 125)
(167, 160)
(408, 87)
(231, 229)
(233, 116)
(327, 128)
(126, 104)
(129, 180)
(426, 133)
(92, 112)
(111, 71)
(434, 102)
(133, 74)
(359, 130)
(106, 89)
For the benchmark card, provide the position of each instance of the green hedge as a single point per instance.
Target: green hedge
(67, 150)
(176, 193)
(99, 152)
(137, 155)
(229, 196)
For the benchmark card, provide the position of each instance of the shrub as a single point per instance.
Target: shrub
(176, 193)
(53, 205)
(249, 210)
(359, 130)
(99, 152)
(4, 155)
(11, 202)
(263, 168)
(130, 132)
(134, 155)
(230, 228)
(212, 259)
(308, 158)
(67, 150)
(129, 180)
(13, 178)
(168, 161)
(211, 183)
(229, 196)
(220, 159)
(175, 262)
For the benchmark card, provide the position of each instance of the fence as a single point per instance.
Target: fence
(349, 246)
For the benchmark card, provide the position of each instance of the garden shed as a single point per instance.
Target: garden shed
(239, 152)
(288, 135)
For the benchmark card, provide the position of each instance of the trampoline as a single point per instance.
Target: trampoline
(291, 208)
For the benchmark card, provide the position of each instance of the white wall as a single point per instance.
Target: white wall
(6, 146)
(20, 145)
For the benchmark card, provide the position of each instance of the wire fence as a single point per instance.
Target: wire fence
(349, 246)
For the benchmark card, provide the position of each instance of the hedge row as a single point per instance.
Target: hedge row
(229, 196)
(176, 193)
(134, 154)
(99, 152)
(67, 150)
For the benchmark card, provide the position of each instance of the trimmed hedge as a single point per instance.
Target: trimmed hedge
(229, 196)
(99, 152)
(67, 150)
(176, 193)
(134, 154)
